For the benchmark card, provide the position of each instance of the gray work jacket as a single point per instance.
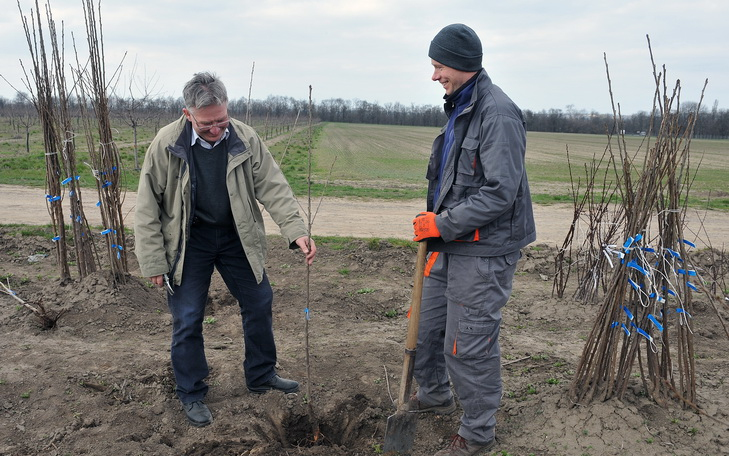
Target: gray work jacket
(484, 206)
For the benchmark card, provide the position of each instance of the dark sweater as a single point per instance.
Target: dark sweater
(212, 204)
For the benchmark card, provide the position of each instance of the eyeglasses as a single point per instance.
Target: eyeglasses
(209, 125)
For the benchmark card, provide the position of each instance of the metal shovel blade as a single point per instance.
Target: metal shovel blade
(400, 433)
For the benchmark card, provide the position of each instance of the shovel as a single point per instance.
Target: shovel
(400, 432)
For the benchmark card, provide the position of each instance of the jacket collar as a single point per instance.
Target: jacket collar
(182, 146)
(464, 96)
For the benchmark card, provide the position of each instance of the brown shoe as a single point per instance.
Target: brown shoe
(446, 408)
(462, 447)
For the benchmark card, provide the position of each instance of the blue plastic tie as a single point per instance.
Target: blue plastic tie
(637, 267)
(689, 243)
(306, 313)
(625, 329)
(655, 322)
(673, 253)
(634, 285)
(681, 310)
(644, 334)
(628, 313)
(692, 286)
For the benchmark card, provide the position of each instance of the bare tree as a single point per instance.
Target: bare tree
(136, 109)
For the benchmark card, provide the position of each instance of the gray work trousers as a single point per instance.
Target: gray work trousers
(459, 336)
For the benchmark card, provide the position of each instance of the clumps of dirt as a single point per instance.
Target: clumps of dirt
(100, 382)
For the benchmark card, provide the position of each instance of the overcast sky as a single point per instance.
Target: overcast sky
(544, 54)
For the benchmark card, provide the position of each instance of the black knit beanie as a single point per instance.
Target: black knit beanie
(457, 46)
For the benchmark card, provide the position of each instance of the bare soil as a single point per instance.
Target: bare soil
(100, 382)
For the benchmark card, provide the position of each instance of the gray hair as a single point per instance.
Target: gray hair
(204, 89)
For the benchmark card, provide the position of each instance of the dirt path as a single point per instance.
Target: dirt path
(348, 217)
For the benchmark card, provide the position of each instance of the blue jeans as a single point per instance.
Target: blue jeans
(213, 247)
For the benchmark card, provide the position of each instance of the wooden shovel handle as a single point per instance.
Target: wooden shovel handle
(411, 341)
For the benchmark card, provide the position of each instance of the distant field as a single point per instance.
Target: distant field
(381, 156)
(379, 161)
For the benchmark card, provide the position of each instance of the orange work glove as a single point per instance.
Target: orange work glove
(424, 226)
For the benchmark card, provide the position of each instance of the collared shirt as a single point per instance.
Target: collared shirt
(206, 144)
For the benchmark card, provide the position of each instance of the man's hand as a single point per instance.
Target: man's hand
(306, 244)
(424, 226)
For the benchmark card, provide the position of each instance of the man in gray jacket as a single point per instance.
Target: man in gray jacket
(203, 178)
(479, 216)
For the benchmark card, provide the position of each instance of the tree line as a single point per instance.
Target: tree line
(712, 123)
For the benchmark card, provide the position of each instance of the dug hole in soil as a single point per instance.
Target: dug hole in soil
(100, 382)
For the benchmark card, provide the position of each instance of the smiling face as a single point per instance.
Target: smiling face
(209, 122)
(450, 79)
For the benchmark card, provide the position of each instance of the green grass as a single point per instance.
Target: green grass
(387, 162)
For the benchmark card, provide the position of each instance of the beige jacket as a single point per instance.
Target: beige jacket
(164, 202)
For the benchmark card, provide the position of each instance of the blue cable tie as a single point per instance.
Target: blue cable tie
(625, 328)
(655, 322)
(652, 295)
(681, 310)
(689, 243)
(692, 286)
(638, 237)
(644, 334)
(106, 184)
(634, 285)
(98, 203)
(106, 231)
(637, 267)
(118, 255)
(113, 168)
(673, 253)
(628, 313)
(649, 250)
(661, 299)
(66, 180)
(669, 291)
(306, 313)
(56, 239)
(120, 247)
(614, 324)
(628, 243)
(633, 325)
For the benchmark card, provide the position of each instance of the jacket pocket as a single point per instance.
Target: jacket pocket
(469, 172)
